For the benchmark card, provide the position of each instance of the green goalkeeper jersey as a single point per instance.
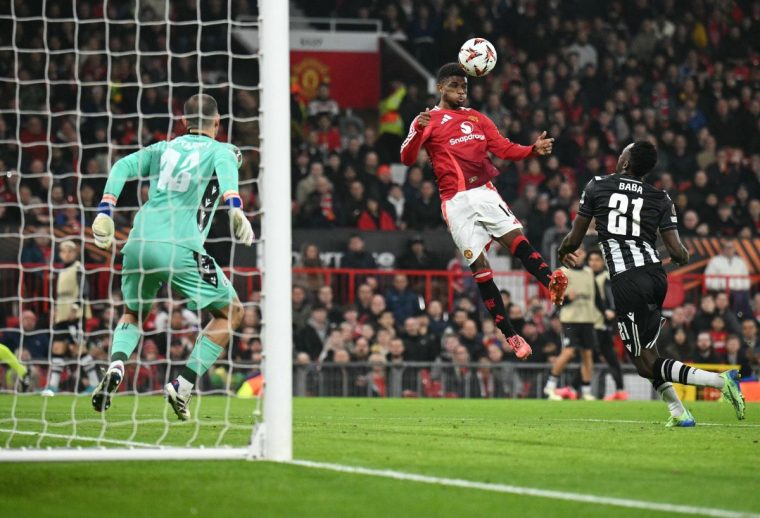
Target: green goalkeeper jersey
(187, 177)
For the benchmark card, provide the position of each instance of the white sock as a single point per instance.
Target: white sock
(88, 364)
(672, 370)
(551, 383)
(586, 389)
(668, 394)
(56, 368)
(185, 387)
(118, 365)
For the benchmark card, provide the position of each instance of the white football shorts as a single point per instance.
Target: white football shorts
(475, 217)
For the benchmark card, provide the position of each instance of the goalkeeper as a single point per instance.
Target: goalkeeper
(187, 176)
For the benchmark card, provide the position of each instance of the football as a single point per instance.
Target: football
(477, 57)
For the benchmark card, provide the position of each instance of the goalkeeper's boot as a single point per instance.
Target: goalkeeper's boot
(685, 420)
(731, 392)
(520, 347)
(101, 396)
(180, 404)
(557, 286)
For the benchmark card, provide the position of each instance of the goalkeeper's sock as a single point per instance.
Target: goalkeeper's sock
(7, 357)
(672, 370)
(493, 302)
(56, 369)
(125, 340)
(531, 259)
(551, 382)
(201, 359)
(88, 364)
(668, 394)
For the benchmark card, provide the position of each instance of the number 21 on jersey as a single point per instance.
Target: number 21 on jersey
(618, 221)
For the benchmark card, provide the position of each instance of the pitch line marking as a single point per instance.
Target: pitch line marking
(633, 421)
(80, 438)
(527, 491)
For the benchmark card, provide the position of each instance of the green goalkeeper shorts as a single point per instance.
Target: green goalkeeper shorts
(149, 265)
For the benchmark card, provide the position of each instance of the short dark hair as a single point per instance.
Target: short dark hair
(448, 70)
(643, 157)
(200, 111)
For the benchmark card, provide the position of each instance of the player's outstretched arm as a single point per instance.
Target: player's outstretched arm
(125, 169)
(413, 142)
(572, 241)
(678, 252)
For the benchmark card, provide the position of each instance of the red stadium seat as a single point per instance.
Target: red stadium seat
(676, 293)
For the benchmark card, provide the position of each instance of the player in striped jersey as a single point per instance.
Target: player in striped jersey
(628, 214)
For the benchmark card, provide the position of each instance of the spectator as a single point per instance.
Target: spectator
(437, 319)
(704, 352)
(326, 299)
(472, 339)
(728, 263)
(458, 379)
(739, 354)
(312, 337)
(300, 307)
(554, 235)
(723, 309)
(421, 345)
(364, 294)
(375, 217)
(323, 104)
(310, 259)
(401, 299)
(750, 336)
(35, 341)
(357, 256)
(417, 257)
(424, 213)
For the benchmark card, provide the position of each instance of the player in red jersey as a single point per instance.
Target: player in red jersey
(458, 141)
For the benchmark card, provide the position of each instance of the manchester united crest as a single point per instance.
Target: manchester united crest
(309, 74)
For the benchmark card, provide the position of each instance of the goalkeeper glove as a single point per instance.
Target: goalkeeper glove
(102, 231)
(241, 227)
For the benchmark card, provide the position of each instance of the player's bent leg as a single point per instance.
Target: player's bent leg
(587, 373)
(208, 348)
(644, 362)
(550, 390)
(489, 292)
(57, 364)
(556, 282)
(727, 382)
(125, 340)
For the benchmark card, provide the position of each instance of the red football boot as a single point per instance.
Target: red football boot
(557, 286)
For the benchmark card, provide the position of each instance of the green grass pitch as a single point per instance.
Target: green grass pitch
(618, 449)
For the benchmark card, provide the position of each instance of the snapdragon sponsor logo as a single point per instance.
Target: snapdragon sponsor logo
(466, 138)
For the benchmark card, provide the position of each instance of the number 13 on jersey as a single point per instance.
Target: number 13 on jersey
(618, 221)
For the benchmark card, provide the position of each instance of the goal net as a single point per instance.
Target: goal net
(82, 84)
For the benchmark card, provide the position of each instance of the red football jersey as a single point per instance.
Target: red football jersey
(458, 142)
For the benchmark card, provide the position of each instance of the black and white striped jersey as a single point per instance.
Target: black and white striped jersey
(628, 213)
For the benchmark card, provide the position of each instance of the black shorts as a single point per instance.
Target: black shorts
(69, 331)
(639, 294)
(578, 336)
(604, 338)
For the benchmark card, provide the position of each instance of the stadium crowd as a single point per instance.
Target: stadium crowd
(595, 75)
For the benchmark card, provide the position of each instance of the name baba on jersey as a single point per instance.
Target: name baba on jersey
(624, 186)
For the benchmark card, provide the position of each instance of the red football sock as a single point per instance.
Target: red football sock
(531, 259)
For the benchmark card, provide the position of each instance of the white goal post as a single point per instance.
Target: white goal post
(271, 436)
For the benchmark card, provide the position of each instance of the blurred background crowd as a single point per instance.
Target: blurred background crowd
(594, 74)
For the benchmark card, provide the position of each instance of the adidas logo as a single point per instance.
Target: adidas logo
(446, 118)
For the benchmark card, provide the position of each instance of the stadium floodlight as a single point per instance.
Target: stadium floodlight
(140, 426)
